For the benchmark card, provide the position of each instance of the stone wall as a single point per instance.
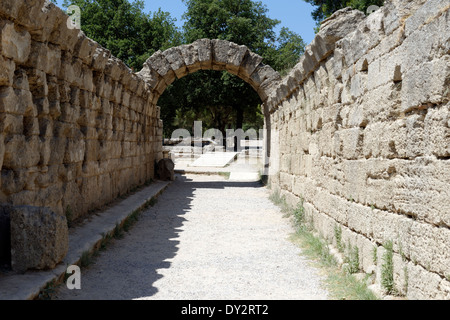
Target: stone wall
(77, 126)
(362, 129)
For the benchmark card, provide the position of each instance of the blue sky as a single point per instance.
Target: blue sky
(294, 14)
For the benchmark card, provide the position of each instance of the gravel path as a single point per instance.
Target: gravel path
(205, 239)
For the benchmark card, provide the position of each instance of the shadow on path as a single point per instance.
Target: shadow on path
(128, 268)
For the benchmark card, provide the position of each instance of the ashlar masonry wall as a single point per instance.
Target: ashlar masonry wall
(77, 126)
(362, 129)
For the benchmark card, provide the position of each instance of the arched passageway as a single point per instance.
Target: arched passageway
(164, 67)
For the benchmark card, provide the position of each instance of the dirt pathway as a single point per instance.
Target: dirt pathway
(205, 239)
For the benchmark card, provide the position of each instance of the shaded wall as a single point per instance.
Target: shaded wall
(362, 132)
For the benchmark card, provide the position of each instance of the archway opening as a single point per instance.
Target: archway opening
(202, 94)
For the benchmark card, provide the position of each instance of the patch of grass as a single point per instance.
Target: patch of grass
(341, 284)
(299, 214)
(280, 201)
(86, 259)
(47, 292)
(338, 237)
(118, 232)
(344, 286)
(352, 259)
(374, 255)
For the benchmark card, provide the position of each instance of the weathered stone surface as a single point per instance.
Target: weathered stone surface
(7, 67)
(340, 24)
(39, 238)
(173, 56)
(15, 44)
(165, 169)
(360, 120)
(205, 54)
(249, 64)
(236, 55)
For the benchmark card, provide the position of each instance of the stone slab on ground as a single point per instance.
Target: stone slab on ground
(244, 176)
(27, 286)
(215, 159)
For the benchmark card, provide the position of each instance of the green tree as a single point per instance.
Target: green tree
(325, 8)
(126, 30)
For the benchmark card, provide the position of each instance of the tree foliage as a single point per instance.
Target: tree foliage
(126, 30)
(218, 98)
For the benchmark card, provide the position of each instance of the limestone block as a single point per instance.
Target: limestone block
(159, 63)
(425, 83)
(391, 20)
(62, 36)
(10, 8)
(351, 142)
(220, 50)
(205, 54)
(373, 25)
(424, 285)
(39, 238)
(436, 131)
(47, 20)
(427, 12)
(114, 68)
(358, 85)
(320, 47)
(354, 46)
(150, 76)
(249, 64)
(174, 57)
(310, 61)
(20, 80)
(340, 24)
(333, 206)
(100, 58)
(15, 44)
(7, 67)
(11, 124)
(37, 81)
(236, 55)
(16, 101)
(263, 74)
(191, 58)
(75, 150)
(85, 48)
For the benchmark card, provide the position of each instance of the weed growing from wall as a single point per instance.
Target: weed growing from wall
(387, 268)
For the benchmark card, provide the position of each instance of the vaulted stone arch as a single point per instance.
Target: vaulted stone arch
(163, 68)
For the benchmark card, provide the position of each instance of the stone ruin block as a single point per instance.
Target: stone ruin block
(39, 238)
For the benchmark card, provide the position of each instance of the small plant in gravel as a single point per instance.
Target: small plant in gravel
(86, 259)
(387, 268)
